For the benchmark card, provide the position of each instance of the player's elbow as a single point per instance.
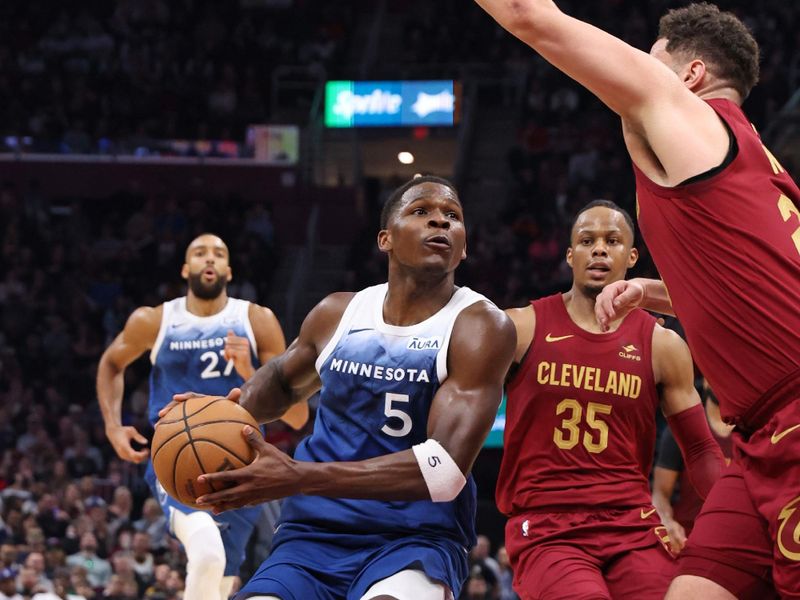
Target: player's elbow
(530, 21)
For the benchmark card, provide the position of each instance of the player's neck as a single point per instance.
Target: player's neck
(412, 299)
(719, 90)
(205, 308)
(580, 307)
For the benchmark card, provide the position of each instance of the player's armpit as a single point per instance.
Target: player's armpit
(481, 349)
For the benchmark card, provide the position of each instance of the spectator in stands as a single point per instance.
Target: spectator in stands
(98, 570)
(8, 585)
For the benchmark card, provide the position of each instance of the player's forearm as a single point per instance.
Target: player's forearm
(394, 476)
(110, 389)
(701, 452)
(656, 297)
(521, 18)
(663, 506)
(267, 395)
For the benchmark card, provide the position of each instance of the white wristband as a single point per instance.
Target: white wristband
(441, 473)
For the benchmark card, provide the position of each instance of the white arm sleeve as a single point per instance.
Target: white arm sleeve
(441, 473)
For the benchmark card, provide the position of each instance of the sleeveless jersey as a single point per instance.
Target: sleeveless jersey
(580, 418)
(728, 250)
(378, 383)
(188, 354)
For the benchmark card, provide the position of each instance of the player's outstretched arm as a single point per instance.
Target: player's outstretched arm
(674, 372)
(481, 349)
(138, 336)
(656, 106)
(621, 297)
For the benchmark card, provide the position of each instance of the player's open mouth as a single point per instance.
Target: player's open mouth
(210, 273)
(438, 242)
(598, 268)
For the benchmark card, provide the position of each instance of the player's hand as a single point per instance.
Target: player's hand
(677, 536)
(270, 476)
(237, 349)
(233, 396)
(121, 437)
(616, 301)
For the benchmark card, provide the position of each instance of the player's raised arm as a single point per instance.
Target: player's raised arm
(674, 372)
(462, 412)
(138, 336)
(291, 377)
(655, 102)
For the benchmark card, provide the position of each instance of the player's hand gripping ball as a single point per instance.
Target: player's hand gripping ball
(200, 435)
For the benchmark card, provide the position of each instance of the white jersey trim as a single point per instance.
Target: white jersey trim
(166, 312)
(344, 323)
(463, 298)
(248, 327)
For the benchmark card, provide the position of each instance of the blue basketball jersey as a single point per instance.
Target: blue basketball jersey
(188, 355)
(378, 382)
(189, 352)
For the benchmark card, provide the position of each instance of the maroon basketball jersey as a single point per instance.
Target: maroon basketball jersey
(580, 416)
(728, 249)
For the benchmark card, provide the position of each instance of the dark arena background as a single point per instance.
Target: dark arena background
(131, 126)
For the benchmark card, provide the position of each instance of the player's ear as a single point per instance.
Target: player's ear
(633, 257)
(185, 271)
(464, 252)
(569, 255)
(229, 274)
(693, 74)
(384, 240)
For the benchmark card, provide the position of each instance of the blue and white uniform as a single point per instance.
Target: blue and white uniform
(188, 355)
(378, 383)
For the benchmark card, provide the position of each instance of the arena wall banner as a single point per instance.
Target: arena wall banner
(390, 103)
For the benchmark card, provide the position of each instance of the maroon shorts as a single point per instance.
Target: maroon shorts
(747, 536)
(591, 555)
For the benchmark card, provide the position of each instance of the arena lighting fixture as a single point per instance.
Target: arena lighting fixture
(406, 158)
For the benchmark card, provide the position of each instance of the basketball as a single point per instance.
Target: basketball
(201, 435)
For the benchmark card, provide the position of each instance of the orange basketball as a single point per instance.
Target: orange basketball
(201, 435)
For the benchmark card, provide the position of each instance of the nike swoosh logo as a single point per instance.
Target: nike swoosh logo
(359, 330)
(644, 515)
(551, 338)
(777, 437)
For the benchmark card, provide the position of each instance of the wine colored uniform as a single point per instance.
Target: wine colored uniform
(579, 441)
(728, 248)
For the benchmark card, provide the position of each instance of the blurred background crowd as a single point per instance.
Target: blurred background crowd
(101, 77)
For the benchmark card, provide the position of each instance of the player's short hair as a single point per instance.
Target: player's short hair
(397, 195)
(605, 204)
(719, 38)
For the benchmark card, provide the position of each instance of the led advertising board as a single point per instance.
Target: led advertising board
(390, 103)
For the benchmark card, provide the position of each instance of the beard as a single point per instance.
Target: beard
(206, 291)
(593, 290)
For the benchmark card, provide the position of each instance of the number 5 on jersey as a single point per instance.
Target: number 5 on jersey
(392, 412)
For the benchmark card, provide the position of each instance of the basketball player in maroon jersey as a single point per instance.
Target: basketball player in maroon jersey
(720, 217)
(580, 431)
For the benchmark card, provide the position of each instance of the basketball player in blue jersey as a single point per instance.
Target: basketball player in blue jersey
(381, 503)
(204, 341)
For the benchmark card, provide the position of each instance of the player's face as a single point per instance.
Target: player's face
(427, 229)
(207, 269)
(601, 249)
(675, 62)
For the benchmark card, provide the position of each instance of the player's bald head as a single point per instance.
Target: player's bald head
(206, 240)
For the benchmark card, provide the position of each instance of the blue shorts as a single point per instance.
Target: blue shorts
(235, 526)
(307, 562)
